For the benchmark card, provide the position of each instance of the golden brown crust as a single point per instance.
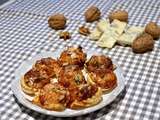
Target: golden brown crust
(120, 15)
(95, 99)
(153, 29)
(73, 56)
(71, 76)
(57, 21)
(100, 62)
(52, 97)
(105, 79)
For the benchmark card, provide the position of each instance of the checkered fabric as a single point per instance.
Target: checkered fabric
(24, 32)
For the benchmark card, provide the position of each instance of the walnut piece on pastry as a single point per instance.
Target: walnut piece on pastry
(52, 97)
(73, 56)
(84, 96)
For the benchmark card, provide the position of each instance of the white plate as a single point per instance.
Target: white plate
(21, 96)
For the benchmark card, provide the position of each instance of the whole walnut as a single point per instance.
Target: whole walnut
(120, 15)
(153, 29)
(92, 14)
(143, 43)
(57, 21)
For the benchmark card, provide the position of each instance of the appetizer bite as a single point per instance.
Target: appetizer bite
(42, 72)
(84, 96)
(73, 56)
(105, 79)
(98, 63)
(48, 66)
(71, 76)
(52, 97)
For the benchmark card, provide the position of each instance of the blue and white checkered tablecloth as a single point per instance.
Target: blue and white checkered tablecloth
(24, 32)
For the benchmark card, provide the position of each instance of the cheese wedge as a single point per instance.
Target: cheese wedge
(119, 26)
(95, 34)
(103, 25)
(107, 40)
(130, 35)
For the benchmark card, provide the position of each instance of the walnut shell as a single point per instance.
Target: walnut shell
(57, 21)
(143, 43)
(92, 14)
(120, 15)
(153, 29)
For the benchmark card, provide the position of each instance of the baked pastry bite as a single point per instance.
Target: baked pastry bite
(105, 79)
(42, 72)
(73, 56)
(71, 76)
(84, 95)
(52, 97)
(32, 81)
(99, 62)
(48, 67)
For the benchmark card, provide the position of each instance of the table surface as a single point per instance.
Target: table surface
(24, 32)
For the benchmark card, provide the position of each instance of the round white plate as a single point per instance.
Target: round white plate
(21, 96)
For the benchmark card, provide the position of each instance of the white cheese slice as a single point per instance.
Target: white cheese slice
(130, 35)
(106, 40)
(95, 34)
(119, 26)
(103, 25)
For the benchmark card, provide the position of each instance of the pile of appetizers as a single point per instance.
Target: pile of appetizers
(70, 81)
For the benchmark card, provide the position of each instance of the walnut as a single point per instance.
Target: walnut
(64, 35)
(92, 14)
(119, 15)
(143, 43)
(57, 21)
(84, 31)
(153, 29)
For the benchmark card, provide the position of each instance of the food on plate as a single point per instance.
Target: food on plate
(95, 34)
(71, 76)
(104, 78)
(73, 56)
(118, 26)
(143, 43)
(120, 15)
(92, 14)
(84, 31)
(99, 63)
(84, 96)
(153, 29)
(64, 35)
(41, 73)
(130, 35)
(103, 25)
(52, 97)
(32, 81)
(70, 81)
(49, 67)
(57, 21)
